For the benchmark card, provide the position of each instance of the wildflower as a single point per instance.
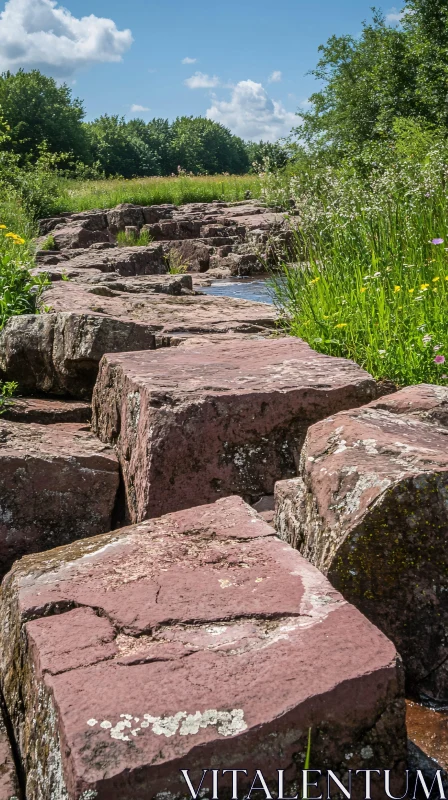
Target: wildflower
(376, 274)
(424, 286)
(426, 339)
(18, 240)
(341, 325)
(437, 241)
(11, 235)
(434, 280)
(437, 347)
(314, 281)
(363, 289)
(411, 291)
(397, 289)
(3, 227)
(439, 360)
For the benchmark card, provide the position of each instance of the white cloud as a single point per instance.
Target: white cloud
(394, 15)
(188, 60)
(275, 77)
(201, 81)
(39, 34)
(136, 107)
(252, 114)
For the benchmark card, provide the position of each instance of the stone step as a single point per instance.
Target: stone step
(195, 640)
(370, 510)
(58, 483)
(197, 423)
(46, 411)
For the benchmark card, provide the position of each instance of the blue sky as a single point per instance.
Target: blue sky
(247, 65)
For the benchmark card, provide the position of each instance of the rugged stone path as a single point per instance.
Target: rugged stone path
(195, 631)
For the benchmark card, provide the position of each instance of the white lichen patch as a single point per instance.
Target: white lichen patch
(227, 723)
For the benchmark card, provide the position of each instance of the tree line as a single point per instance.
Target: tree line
(38, 113)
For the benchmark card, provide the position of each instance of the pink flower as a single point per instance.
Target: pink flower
(437, 241)
(439, 360)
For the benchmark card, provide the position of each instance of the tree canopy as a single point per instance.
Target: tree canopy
(388, 73)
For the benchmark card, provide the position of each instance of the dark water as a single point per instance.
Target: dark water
(241, 288)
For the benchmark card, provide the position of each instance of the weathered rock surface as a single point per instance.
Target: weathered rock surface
(182, 313)
(58, 483)
(370, 510)
(46, 411)
(197, 423)
(59, 353)
(139, 654)
(239, 238)
(126, 261)
(9, 788)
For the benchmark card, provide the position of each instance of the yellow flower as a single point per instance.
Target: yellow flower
(18, 240)
(424, 286)
(11, 235)
(397, 289)
(411, 291)
(341, 325)
(364, 289)
(3, 227)
(314, 281)
(434, 280)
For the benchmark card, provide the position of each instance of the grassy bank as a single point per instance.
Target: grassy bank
(84, 195)
(371, 284)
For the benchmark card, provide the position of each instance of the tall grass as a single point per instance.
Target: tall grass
(84, 195)
(373, 287)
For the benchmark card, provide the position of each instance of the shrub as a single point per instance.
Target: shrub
(49, 243)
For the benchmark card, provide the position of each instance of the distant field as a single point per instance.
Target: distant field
(84, 195)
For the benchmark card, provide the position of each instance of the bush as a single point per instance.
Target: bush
(126, 240)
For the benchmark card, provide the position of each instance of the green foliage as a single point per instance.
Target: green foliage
(202, 146)
(267, 155)
(190, 144)
(49, 243)
(371, 284)
(7, 390)
(176, 264)
(19, 290)
(387, 73)
(126, 240)
(39, 111)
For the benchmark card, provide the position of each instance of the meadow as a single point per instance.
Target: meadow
(84, 195)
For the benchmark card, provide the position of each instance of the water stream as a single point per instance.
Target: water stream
(241, 288)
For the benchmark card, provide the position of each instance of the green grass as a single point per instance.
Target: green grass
(126, 240)
(375, 290)
(85, 195)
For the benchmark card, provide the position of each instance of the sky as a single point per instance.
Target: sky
(243, 63)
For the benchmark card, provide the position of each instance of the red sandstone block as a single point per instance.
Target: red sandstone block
(58, 483)
(194, 424)
(195, 640)
(370, 509)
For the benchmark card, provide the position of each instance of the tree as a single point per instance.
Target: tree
(39, 111)
(202, 146)
(118, 149)
(273, 155)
